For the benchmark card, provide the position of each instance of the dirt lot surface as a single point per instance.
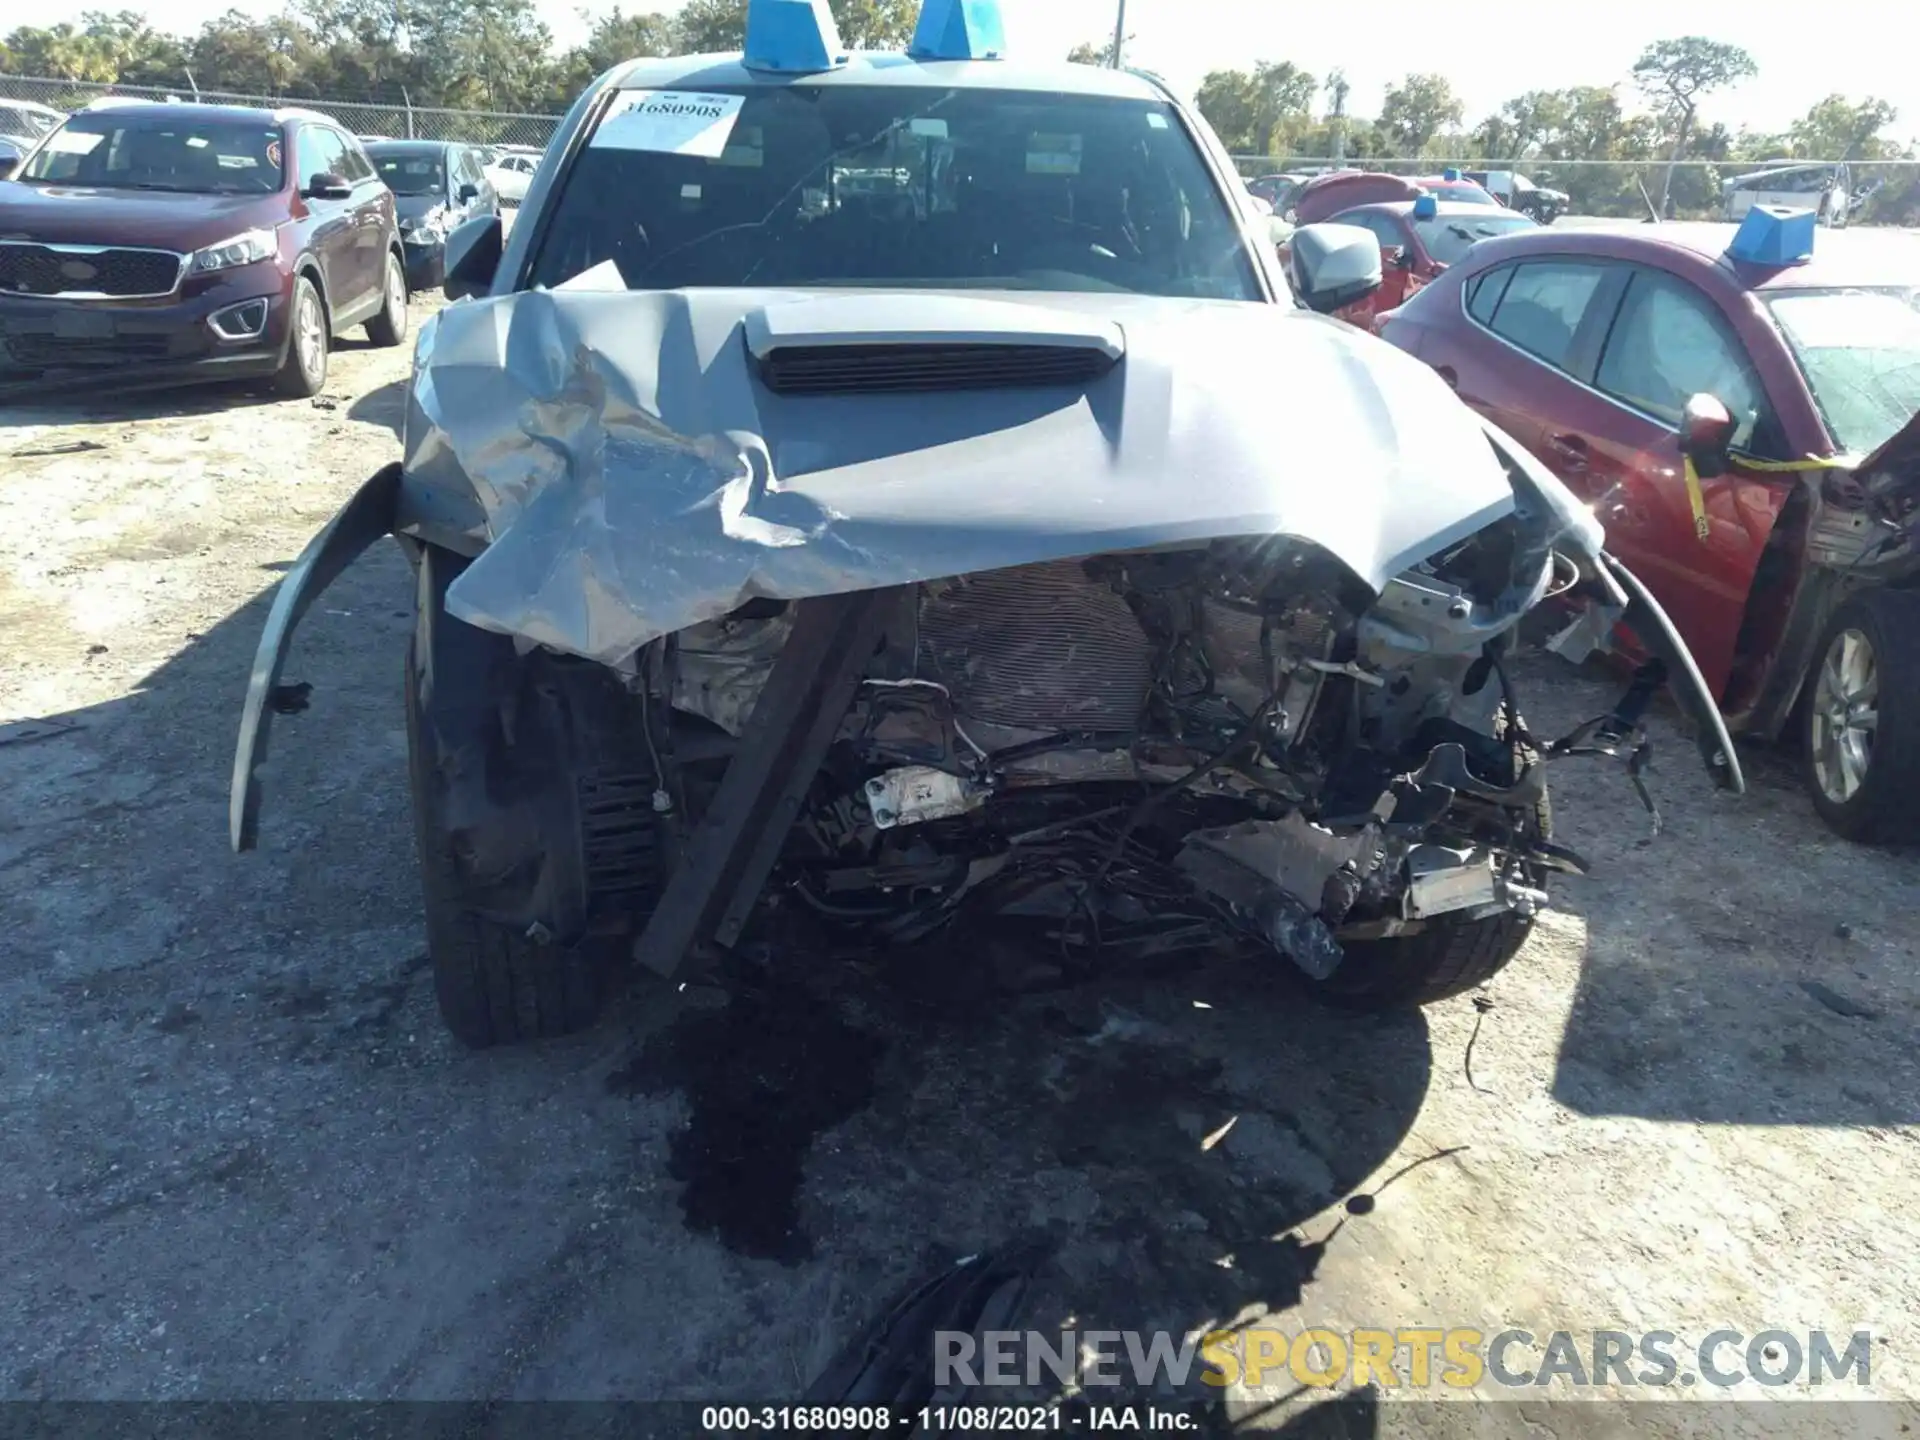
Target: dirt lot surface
(243, 1160)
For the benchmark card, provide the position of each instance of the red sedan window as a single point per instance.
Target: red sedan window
(1542, 307)
(1670, 344)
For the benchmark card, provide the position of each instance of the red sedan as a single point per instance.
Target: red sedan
(1419, 239)
(1739, 415)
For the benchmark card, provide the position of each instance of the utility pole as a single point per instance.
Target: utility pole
(1119, 33)
(1337, 85)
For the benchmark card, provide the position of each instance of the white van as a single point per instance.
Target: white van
(1825, 189)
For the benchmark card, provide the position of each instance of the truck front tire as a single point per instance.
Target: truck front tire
(537, 839)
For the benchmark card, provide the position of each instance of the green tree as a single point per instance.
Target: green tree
(62, 52)
(707, 26)
(1521, 125)
(1257, 113)
(1840, 129)
(480, 54)
(236, 52)
(876, 24)
(1675, 75)
(1088, 53)
(1418, 110)
(362, 51)
(616, 36)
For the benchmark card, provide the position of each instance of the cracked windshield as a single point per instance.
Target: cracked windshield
(1860, 351)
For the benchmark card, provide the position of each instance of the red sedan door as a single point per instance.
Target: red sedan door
(1668, 342)
(1528, 334)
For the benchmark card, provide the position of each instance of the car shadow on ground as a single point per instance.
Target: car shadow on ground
(1746, 966)
(106, 401)
(386, 406)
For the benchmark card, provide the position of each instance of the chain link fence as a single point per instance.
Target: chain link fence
(1886, 192)
(1614, 189)
(369, 121)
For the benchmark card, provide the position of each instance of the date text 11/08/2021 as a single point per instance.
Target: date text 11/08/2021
(957, 1419)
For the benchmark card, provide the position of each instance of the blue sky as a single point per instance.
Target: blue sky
(1490, 49)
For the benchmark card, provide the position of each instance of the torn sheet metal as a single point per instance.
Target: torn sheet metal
(632, 475)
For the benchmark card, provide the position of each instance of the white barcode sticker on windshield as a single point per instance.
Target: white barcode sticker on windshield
(670, 122)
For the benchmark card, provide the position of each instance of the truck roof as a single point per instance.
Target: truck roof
(729, 72)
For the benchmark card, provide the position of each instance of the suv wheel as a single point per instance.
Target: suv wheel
(304, 371)
(389, 326)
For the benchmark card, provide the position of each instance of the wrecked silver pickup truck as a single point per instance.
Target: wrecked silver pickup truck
(906, 553)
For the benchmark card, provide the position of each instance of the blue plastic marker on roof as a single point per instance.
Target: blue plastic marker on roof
(959, 30)
(1449, 174)
(793, 37)
(1425, 208)
(1774, 235)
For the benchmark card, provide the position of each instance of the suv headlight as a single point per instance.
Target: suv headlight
(244, 249)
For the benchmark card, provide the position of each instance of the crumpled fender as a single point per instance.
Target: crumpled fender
(365, 518)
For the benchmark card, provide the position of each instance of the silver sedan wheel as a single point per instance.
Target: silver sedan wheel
(1846, 715)
(310, 332)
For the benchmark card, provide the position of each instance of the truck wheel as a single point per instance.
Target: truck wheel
(538, 844)
(389, 325)
(1862, 721)
(304, 371)
(1404, 972)
(1449, 957)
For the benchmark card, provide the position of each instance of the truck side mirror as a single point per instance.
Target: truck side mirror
(472, 257)
(1331, 266)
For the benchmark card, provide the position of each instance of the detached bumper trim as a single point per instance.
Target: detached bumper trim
(369, 515)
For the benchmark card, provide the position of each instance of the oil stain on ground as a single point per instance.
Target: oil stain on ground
(763, 1078)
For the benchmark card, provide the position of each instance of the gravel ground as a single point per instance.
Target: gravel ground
(243, 1161)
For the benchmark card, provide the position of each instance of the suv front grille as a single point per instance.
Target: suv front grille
(49, 352)
(906, 369)
(126, 274)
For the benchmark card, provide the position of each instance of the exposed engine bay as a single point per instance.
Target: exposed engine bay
(1142, 750)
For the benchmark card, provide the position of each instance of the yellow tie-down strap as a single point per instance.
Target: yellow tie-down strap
(1698, 501)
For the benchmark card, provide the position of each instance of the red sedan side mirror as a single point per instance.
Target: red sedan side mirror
(1706, 434)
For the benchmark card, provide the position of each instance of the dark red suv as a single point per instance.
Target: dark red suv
(164, 244)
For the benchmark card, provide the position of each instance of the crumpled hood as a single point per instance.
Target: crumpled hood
(634, 475)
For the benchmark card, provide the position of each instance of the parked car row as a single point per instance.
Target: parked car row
(436, 186)
(1419, 232)
(169, 243)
